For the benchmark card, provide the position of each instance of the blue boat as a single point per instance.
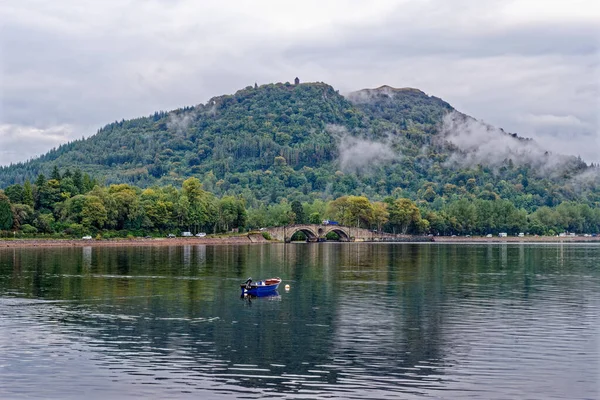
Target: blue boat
(266, 287)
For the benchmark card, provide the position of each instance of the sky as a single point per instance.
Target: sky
(69, 67)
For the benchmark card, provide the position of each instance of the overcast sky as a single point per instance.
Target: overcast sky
(68, 67)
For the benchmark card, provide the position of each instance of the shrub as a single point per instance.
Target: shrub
(28, 229)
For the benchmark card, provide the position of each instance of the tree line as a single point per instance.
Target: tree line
(73, 204)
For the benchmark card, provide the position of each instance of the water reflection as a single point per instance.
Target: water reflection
(383, 320)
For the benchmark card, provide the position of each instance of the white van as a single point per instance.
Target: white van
(502, 234)
(186, 234)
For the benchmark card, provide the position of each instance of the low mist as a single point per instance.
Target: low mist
(478, 143)
(181, 122)
(361, 155)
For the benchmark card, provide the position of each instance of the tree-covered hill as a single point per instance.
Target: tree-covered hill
(304, 142)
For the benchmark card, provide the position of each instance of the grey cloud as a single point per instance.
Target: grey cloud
(19, 143)
(86, 65)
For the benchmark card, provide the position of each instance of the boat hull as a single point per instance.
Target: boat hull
(267, 288)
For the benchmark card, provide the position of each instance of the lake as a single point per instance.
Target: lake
(377, 321)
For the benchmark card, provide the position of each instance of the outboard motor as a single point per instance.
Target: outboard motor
(248, 282)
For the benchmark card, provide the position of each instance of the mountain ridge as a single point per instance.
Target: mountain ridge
(305, 141)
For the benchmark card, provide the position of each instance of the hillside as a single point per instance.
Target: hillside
(307, 141)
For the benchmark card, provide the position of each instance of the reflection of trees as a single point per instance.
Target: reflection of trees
(379, 309)
(388, 321)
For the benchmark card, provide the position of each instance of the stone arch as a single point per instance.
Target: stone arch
(312, 237)
(344, 237)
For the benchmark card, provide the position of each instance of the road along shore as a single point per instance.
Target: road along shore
(258, 238)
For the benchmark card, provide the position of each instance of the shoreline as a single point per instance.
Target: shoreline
(259, 239)
(123, 242)
(516, 239)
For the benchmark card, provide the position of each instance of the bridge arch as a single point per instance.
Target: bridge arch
(343, 235)
(311, 236)
(316, 232)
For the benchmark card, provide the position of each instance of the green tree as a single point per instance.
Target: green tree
(28, 194)
(72, 210)
(380, 214)
(44, 223)
(78, 182)
(298, 210)
(55, 174)
(127, 209)
(228, 212)
(23, 215)
(94, 213)
(14, 193)
(405, 216)
(463, 215)
(6, 214)
(360, 211)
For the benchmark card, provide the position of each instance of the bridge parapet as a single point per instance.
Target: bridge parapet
(316, 232)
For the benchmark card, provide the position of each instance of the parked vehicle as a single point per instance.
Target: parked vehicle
(502, 234)
(186, 234)
(200, 234)
(170, 236)
(87, 237)
(329, 222)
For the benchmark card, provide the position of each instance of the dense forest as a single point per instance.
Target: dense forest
(72, 204)
(374, 157)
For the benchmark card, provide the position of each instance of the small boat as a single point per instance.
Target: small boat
(260, 288)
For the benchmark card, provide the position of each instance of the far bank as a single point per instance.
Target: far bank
(254, 238)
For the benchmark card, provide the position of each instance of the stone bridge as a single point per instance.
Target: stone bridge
(315, 233)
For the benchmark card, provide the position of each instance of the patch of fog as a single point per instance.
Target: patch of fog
(587, 180)
(365, 96)
(359, 154)
(180, 122)
(478, 143)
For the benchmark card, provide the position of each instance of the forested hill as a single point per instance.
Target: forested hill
(307, 141)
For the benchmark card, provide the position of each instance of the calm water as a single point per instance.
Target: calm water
(388, 321)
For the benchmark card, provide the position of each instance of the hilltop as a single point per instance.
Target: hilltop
(307, 141)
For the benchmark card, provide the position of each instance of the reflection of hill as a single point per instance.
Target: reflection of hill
(359, 317)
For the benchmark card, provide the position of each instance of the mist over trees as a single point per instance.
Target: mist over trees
(386, 159)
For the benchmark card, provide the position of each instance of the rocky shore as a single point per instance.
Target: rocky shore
(178, 241)
(258, 238)
(516, 239)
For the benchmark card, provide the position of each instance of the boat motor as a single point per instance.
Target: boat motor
(248, 283)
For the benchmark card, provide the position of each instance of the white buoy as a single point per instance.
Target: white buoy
(287, 288)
